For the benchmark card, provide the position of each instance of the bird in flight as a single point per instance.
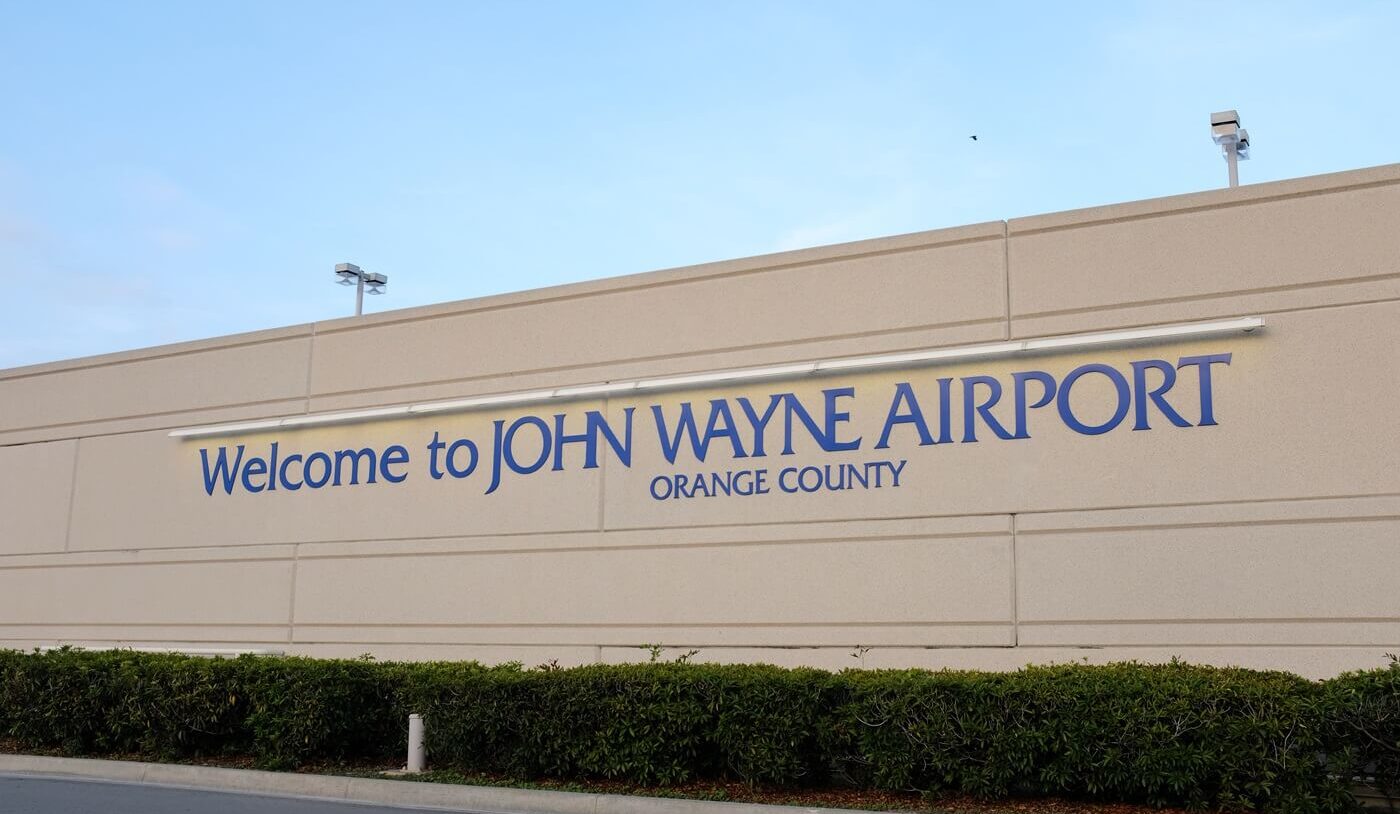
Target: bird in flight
(973, 137)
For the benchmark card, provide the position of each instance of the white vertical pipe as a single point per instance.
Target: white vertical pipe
(1232, 157)
(416, 756)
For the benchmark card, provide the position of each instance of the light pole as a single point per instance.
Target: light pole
(351, 274)
(1225, 130)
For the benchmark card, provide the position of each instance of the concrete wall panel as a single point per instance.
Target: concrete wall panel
(124, 597)
(691, 536)
(922, 591)
(162, 421)
(893, 342)
(36, 481)
(171, 385)
(1300, 573)
(268, 638)
(940, 279)
(1317, 241)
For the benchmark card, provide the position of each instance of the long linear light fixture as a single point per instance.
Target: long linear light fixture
(912, 358)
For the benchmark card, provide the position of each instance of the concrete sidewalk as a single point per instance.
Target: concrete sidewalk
(444, 796)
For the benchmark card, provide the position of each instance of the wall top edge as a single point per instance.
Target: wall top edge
(1221, 198)
(989, 230)
(258, 337)
(971, 233)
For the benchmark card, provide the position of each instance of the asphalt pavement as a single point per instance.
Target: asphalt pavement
(44, 794)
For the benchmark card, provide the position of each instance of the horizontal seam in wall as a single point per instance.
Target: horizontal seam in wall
(1012, 233)
(1383, 620)
(730, 646)
(1159, 646)
(132, 641)
(1215, 296)
(484, 377)
(560, 532)
(129, 563)
(1296, 521)
(722, 645)
(661, 357)
(736, 526)
(649, 625)
(6, 624)
(742, 646)
(1189, 504)
(1259, 620)
(167, 355)
(308, 396)
(896, 538)
(1301, 309)
(768, 523)
(137, 417)
(699, 278)
(1026, 512)
(657, 546)
(644, 645)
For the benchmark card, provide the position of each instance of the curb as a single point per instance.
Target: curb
(442, 796)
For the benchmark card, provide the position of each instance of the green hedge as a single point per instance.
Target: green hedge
(1171, 734)
(283, 711)
(1363, 716)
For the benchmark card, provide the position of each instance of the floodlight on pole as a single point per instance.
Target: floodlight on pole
(1225, 130)
(351, 274)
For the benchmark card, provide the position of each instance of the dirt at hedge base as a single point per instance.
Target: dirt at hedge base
(716, 790)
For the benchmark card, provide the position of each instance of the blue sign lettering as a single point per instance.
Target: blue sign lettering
(741, 429)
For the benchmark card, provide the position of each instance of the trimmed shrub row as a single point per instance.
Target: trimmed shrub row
(1172, 734)
(284, 711)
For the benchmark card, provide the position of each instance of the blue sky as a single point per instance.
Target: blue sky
(171, 171)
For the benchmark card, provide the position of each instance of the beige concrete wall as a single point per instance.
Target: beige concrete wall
(36, 486)
(245, 376)
(1268, 540)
